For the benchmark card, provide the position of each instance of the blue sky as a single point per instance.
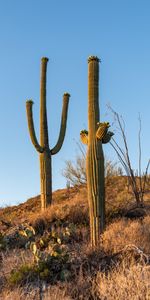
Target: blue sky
(68, 32)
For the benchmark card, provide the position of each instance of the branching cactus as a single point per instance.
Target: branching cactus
(96, 135)
(43, 147)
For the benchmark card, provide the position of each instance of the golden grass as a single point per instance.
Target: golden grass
(18, 294)
(125, 232)
(74, 210)
(124, 275)
(30, 293)
(124, 282)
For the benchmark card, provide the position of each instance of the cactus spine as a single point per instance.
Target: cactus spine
(43, 148)
(95, 157)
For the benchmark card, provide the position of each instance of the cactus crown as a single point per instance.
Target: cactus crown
(44, 59)
(29, 102)
(106, 124)
(84, 131)
(66, 94)
(92, 57)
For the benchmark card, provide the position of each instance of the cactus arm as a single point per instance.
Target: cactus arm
(63, 125)
(106, 139)
(43, 110)
(102, 130)
(29, 104)
(84, 136)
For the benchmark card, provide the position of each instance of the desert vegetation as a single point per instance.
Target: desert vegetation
(91, 240)
(47, 255)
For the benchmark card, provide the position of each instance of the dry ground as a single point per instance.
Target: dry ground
(64, 266)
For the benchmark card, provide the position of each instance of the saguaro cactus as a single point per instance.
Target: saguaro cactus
(95, 157)
(96, 135)
(43, 147)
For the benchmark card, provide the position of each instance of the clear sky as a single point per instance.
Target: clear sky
(67, 31)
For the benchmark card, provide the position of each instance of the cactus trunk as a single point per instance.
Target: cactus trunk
(95, 157)
(46, 179)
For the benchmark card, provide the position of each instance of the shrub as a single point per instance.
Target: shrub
(24, 273)
(124, 282)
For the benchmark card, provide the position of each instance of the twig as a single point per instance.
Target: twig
(123, 155)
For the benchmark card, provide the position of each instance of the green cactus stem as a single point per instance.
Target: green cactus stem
(95, 157)
(43, 147)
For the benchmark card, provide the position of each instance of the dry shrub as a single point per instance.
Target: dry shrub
(82, 289)
(37, 292)
(125, 232)
(13, 260)
(18, 294)
(39, 225)
(124, 282)
(74, 211)
(56, 292)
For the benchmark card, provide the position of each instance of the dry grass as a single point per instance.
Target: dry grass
(30, 293)
(73, 210)
(118, 270)
(25, 211)
(13, 259)
(18, 294)
(124, 232)
(125, 282)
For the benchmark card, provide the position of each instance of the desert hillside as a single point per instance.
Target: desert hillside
(48, 255)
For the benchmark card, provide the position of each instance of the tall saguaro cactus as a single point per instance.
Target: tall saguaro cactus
(96, 135)
(95, 157)
(43, 147)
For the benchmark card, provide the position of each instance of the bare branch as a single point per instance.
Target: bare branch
(123, 155)
(75, 171)
(140, 154)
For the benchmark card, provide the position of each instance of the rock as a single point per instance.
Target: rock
(135, 213)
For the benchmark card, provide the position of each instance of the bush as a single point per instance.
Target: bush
(18, 277)
(75, 171)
